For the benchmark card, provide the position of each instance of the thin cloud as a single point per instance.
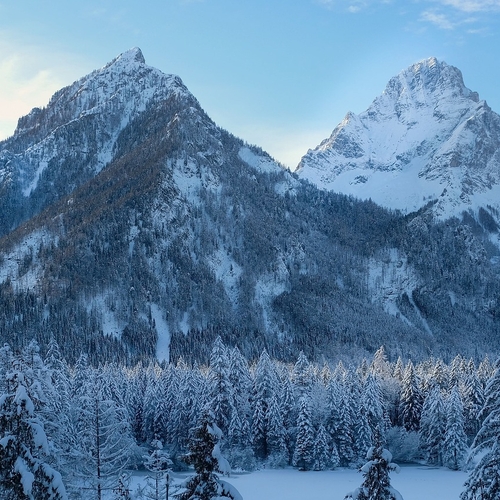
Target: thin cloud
(440, 20)
(351, 6)
(473, 5)
(28, 78)
(452, 14)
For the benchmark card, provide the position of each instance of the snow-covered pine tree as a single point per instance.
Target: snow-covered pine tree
(376, 484)
(473, 402)
(343, 433)
(303, 456)
(433, 427)
(266, 386)
(288, 410)
(136, 387)
(221, 394)
(363, 436)
(276, 436)
(373, 401)
(301, 375)
(370, 419)
(151, 401)
(24, 470)
(411, 399)
(455, 441)
(205, 456)
(484, 480)
(322, 453)
(240, 453)
(241, 381)
(161, 417)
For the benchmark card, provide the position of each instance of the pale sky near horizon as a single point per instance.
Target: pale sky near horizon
(278, 73)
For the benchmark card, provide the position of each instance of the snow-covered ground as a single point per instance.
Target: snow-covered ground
(413, 482)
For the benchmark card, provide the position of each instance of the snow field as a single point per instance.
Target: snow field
(413, 482)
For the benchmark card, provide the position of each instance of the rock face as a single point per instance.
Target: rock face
(426, 138)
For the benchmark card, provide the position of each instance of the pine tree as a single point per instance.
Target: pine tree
(433, 427)
(221, 394)
(455, 440)
(376, 484)
(322, 453)
(151, 402)
(288, 410)
(265, 387)
(343, 434)
(473, 402)
(276, 436)
(484, 480)
(303, 456)
(301, 375)
(410, 405)
(24, 470)
(204, 455)
(240, 454)
(371, 414)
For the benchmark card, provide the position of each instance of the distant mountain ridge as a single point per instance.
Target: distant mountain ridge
(134, 227)
(426, 138)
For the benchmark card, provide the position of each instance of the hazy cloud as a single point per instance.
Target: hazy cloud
(473, 5)
(452, 14)
(440, 20)
(28, 78)
(352, 6)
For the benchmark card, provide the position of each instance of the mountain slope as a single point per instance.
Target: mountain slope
(87, 117)
(426, 138)
(187, 232)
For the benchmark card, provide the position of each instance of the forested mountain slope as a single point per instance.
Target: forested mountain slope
(167, 231)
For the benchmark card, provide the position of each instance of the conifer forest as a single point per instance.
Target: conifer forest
(76, 430)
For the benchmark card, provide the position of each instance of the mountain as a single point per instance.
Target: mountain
(87, 118)
(427, 138)
(136, 228)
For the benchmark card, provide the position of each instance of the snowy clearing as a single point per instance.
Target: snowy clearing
(413, 482)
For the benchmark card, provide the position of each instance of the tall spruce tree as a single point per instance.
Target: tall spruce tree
(411, 400)
(376, 483)
(433, 427)
(303, 456)
(455, 441)
(484, 480)
(205, 456)
(25, 473)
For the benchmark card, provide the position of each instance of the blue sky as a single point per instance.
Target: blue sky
(278, 73)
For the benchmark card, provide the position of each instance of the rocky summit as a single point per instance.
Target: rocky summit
(427, 138)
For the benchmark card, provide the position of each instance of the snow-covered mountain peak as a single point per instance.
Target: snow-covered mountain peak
(131, 56)
(426, 137)
(88, 116)
(427, 75)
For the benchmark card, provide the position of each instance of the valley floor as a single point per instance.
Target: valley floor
(413, 482)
